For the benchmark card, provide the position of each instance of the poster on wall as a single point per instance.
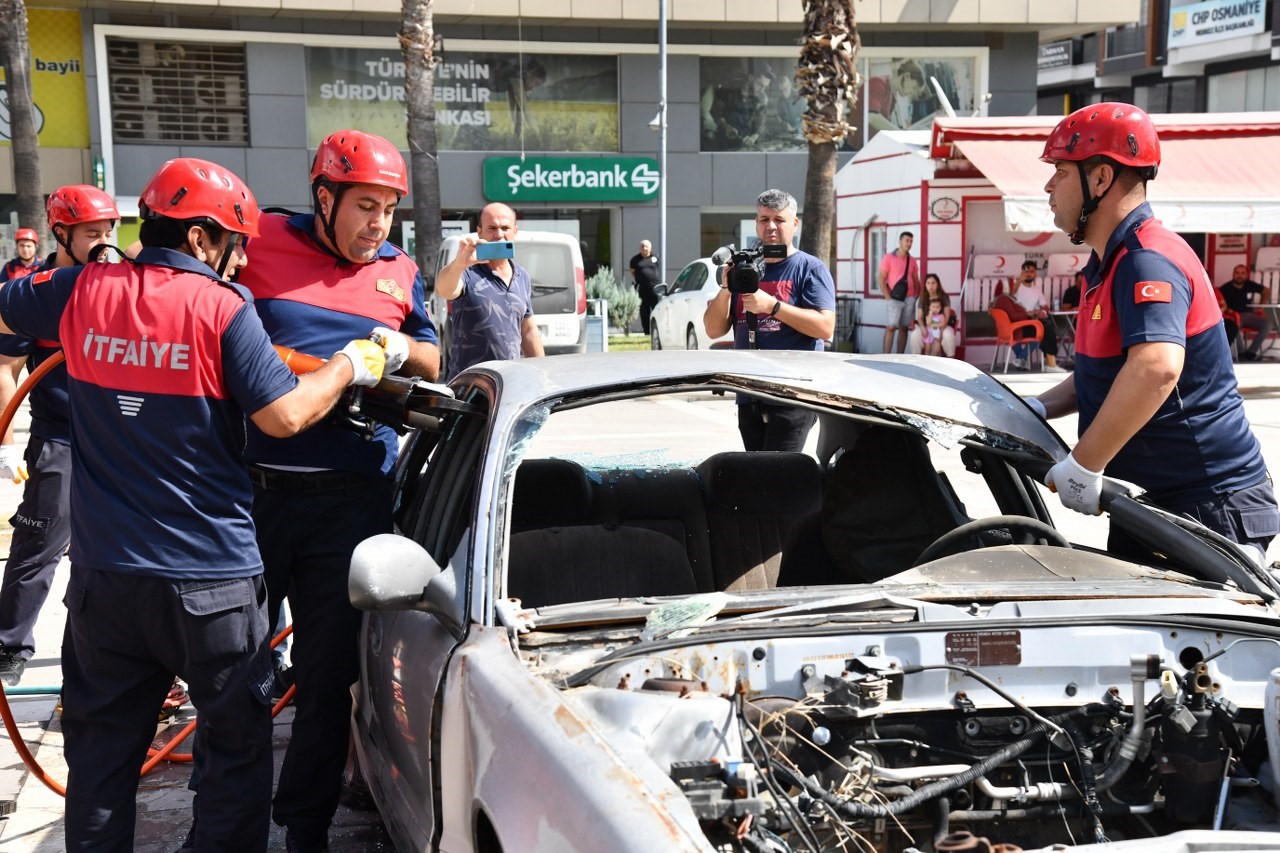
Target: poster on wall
(750, 105)
(898, 93)
(484, 101)
(57, 80)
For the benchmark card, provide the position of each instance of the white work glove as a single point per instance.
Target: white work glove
(1078, 488)
(11, 467)
(367, 359)
(396, 345)
(1036, 406)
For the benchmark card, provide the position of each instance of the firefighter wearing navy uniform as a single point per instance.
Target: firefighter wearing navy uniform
(1153, 383)
(27, 242)
(164, 359)
(318, 278)
(80, 218)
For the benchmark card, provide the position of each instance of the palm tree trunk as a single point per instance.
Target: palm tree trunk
(26, 151)
(418, 46)
(828, 78)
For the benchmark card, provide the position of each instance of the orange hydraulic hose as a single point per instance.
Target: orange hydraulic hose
(298, 363)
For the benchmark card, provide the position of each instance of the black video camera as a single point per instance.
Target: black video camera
(746, 266)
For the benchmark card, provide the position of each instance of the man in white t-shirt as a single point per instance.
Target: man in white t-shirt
(1027, 292)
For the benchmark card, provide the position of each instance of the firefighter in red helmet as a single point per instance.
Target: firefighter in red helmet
(165, 359)
(317, 278)
(1153, 384)
(80, 218)
(27, 261)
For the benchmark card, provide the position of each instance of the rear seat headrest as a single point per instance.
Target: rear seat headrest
(760, 483)
(550, 493)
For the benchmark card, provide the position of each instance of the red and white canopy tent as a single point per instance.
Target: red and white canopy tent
(1219, 172)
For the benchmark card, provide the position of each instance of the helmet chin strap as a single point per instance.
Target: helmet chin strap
(1088, 207)
(326, 222)
(66, 244)
(226, 255)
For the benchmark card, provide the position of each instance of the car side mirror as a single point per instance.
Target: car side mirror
(661, 289)
(390, 572)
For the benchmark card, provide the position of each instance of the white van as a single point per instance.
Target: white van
(554, 262)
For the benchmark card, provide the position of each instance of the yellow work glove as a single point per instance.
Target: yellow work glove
(11, 467)
(367, 359)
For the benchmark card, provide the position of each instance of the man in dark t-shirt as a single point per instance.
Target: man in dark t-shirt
(1239, 295)
(646, 272)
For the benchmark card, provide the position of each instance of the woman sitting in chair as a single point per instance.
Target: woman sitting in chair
(947, 334)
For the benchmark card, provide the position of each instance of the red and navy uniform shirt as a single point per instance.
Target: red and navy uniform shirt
(163, 362)
(1151, 286)
(312, 301)
(49, 396)
(17, 268)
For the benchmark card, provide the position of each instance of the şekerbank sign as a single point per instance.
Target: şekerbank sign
(571, 179)
(1217, 19)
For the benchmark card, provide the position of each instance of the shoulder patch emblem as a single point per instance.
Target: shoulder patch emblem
(389, 287)
(42, 276)
(1097, 313)
(1152, 291)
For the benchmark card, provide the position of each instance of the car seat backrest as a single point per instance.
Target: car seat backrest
(550, 493)
(558, 565)
(667, 500)
(884, 503)
(753, 499)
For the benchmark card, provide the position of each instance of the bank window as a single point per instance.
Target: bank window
(171, 92)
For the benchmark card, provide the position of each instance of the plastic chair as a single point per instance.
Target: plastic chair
(1005, 331)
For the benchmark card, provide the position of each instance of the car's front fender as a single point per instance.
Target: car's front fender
(546, 779)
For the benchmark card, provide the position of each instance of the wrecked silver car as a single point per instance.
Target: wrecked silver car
(604, 627)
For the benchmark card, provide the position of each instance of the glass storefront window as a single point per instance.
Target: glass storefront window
(484, 101)
(750, 105)
(1248, 90)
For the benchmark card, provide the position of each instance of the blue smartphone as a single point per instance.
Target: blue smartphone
(495, 250)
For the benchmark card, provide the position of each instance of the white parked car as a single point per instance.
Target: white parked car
(676, 321)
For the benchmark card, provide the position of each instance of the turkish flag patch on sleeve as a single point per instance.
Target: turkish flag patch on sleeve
(1152, 291)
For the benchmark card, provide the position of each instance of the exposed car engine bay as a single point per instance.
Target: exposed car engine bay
(1005, 739)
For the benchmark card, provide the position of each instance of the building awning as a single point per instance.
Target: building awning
(1219, 173)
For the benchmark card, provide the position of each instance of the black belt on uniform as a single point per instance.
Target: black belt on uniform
(275, 480)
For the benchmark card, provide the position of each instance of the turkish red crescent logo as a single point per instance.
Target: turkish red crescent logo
(1152, 291)
(1038, 240)
(1075, 262)
(999, 261)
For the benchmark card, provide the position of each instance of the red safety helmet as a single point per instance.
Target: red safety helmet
(1119, 131)
(79, 203)
(187, 188)
(26, 234)
(356, 157)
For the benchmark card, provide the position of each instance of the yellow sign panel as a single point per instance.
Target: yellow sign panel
(57, 80)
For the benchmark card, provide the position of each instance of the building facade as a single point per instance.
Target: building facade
(544, 104)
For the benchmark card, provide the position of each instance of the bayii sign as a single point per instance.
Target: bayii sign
(513, 179)
(1215, 20)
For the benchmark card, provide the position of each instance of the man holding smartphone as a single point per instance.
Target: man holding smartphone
(491, 315)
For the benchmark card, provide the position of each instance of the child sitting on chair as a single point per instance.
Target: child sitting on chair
(934, 324)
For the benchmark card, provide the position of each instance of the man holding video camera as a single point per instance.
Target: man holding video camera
(774, 297)
(491, 296)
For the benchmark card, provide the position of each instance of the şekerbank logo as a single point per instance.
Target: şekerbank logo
(571, 179)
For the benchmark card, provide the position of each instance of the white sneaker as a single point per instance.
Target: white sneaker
(1052, 368)
(1020, 363)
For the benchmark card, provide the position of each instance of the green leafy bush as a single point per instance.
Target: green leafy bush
(624, 302)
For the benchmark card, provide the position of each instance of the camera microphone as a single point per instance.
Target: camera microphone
(722, 255)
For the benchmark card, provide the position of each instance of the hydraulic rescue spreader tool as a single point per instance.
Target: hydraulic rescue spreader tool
(401, 403)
